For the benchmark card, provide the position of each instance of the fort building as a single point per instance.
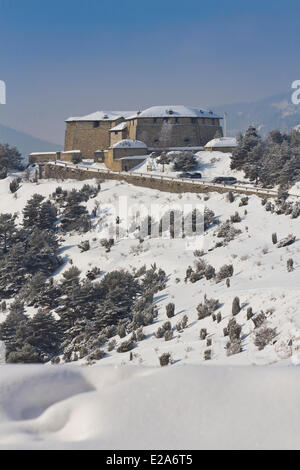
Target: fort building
(222, 144)
(102, 135)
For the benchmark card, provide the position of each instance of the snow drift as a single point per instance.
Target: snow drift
(184, 407)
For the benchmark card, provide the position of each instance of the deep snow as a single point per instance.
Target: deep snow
(190, 407)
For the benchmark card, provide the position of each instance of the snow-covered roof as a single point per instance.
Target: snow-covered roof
(43, 153)
(71, 151)
(129, 143)
(102, 116)
(175, 111)
(119, 127)
(222, 142)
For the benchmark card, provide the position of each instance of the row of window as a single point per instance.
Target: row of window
(212, 121)
(186, 141)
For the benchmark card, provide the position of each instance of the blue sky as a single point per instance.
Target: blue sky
(72, 57)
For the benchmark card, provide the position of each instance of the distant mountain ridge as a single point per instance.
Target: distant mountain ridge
(26, 143)
(275, 112)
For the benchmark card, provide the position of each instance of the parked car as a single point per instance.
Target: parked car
(195, 174)
(224, 180)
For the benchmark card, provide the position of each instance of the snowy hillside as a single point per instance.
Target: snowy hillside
(114, 391)
(260, 277)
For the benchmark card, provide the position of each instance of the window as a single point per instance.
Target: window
(96, 124)
(193, 120)
(154, 119)
(166, 119)
(186, 140)
(156, 141)
(176, 120)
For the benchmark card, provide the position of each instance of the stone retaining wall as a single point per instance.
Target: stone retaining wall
(161, 184)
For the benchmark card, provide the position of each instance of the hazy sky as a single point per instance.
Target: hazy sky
(63, 58)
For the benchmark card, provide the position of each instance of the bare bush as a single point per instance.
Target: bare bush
(264, 336)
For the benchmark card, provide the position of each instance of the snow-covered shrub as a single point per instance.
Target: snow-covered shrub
(140, 334)
(236, 308)
(234, 330)
(14, 185)
(168, 335)
(96, 355)
(162, 329)
(235, 218)
(93, 273)
(155, 279)
(290, 265)
(198, 253)
(264, 336)
(207, 308)
(111, 345)
(121, 331)
(244, 201)
(165, 359)
(181, 325)
(203, 334)
(259, 319)
(207, 354)
(289, 240)
(209, 218)
(202, 269)
(233, 347)
(230, 197)
(249, 313)
(228, 232)
(84, 246)
(225, 271)
(126, 346)
(296, 211)
(107, 243)
(170, 310)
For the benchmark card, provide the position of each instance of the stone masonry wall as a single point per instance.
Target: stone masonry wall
(171, 186)
(82, 135)
(180, 133)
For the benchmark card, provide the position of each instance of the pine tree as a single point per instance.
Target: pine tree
(8, 231)
(8, 329)
(47, 216)
(10, 158)
(31, 211)
(185, 161)
(75, 216)
(45, 335)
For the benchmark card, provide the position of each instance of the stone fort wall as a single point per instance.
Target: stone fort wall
(160, 133)
(161, 184)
